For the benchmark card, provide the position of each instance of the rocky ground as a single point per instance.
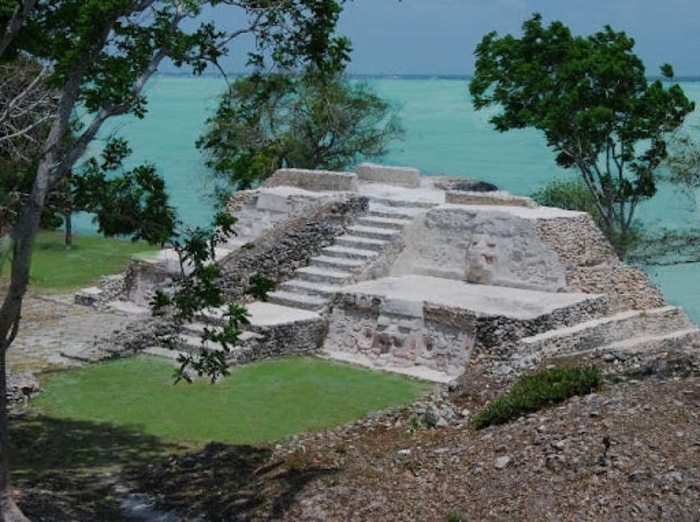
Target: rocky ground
(628, 452)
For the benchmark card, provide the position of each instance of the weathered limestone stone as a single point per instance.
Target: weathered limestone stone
(483, 245)
(495, 198)
(272, 202)
(457, 321)
(401, 176)
(88, 296)
(486, 278)
(592, 266)
(315, 180)
(278, 252)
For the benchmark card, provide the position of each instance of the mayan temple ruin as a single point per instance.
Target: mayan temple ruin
(420, 275)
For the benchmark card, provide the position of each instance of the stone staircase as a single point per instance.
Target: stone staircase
(273, 331)
(353, 251)
(635, 331)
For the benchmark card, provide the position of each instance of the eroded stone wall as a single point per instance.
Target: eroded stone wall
(290, 245)
(592, 266)
(400, 334)
(481, 245)
(316, 180)
(400, 176)
(273, 342)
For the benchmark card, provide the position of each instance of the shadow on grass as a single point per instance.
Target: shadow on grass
(67, 470)
(224, 482)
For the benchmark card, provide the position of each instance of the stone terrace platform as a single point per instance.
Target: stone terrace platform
(482, 300)
(437, 324)
(425, 276)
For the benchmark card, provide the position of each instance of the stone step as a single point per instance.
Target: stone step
(594, 333)
(393, 212)
(650, 343)
(384, 222)
(404, 204)
(309, 302)
(361, 243)
(308, 287)
(213, 316)
(337, 263)
(164, 353)
(386, 234)
(348, 252)
(194, 342)
(323, 275)
(190, 342)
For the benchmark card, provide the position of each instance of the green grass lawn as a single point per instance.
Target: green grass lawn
(57, 269)
(256, 403)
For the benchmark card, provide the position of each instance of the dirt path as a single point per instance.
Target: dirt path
(54, 330)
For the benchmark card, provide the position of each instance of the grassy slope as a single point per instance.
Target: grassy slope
(55, 269)
(259, 402)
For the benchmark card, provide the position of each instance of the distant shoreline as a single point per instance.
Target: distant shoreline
(416, 76)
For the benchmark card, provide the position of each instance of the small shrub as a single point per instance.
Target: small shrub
(452, 516)
(569, 194)
(536, 391)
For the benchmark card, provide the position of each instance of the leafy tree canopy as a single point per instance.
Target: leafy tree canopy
(100, 55)
(265, 122)
(591, 99)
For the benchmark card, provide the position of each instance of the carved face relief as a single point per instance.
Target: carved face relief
(481, 259)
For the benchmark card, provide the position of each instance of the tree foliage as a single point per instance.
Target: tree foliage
(306, 120)
(100, 55)
(124, 202)
(591, 99)
(683, 162)
(195, 289)
(27, 107)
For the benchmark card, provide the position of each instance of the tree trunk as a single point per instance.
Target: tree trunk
(23, 236)
(68, 218)
(9, 512)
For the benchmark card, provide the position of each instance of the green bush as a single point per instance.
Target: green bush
(573, 194)
(569, 194)
(536, 391)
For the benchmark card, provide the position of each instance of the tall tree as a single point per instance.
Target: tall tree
(101, 54)
(307, 120)
(591, 99)
(27, 108)
(301, 115)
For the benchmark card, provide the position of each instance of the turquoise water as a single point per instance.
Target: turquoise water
(444, 136)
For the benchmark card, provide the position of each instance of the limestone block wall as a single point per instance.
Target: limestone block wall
(290, 245)
(495, 198)
(315, 180)
(258, 211)
(401, 176)
(394, 332)
(497, 335)
(483, 245)
(400, 334)
(592, 266)
(142, 277)
(271, 342)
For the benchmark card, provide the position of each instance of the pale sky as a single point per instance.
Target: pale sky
(439, 36)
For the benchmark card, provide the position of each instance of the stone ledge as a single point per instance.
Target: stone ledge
(314, 180)
(497, 198)
(401, 176)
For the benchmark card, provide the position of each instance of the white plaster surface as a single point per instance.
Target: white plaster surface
(482, 299)
(266, 314)
(402, 176)
(426, 194)
(483, 244)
